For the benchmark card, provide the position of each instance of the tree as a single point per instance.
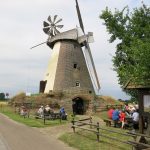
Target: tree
(132, 31)
(2, 96)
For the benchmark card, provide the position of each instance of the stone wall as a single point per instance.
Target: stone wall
(67, 97)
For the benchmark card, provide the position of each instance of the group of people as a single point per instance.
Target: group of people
(48, 110)
(23, 111)
(120, 116)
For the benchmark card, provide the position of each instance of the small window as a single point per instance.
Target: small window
(75, 66)
(77, 84)
(74, 45)
(90, 92)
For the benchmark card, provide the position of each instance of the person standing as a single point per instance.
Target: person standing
(110, 113)
(122, 116)
(63, 114)
(115, 117)
(135, 119)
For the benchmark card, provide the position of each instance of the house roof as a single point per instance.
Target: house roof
(130, 85)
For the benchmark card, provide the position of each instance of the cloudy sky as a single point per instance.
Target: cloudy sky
(21, 69)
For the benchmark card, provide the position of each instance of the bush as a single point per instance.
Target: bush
(19, 98)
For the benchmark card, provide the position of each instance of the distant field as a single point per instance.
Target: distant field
(3, 103)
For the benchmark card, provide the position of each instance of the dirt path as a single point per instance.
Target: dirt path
(57, 131)
(16, 136)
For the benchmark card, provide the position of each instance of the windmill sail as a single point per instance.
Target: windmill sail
(87, 48)
(79, 16)
(91, 67)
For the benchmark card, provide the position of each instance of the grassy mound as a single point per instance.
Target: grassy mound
(36, 100)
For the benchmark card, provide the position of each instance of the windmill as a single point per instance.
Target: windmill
(70, 68)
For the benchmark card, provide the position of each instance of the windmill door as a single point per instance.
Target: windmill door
(78, 106)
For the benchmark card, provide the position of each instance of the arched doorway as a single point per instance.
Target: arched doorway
(78, 106)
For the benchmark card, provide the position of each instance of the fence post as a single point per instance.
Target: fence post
(44, 117)
(73, 123)
(107, 107)
(98, 131)
(1, 106)
(95, 108)
(60, 117)
(28, 113)
(90, 122)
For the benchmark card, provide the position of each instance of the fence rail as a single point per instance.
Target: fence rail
(97, 131)
(104, 108)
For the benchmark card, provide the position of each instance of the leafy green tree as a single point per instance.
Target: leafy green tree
(132, 31)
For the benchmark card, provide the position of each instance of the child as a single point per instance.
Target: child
(122, 116)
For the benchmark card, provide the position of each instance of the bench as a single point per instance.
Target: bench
(52, 116)
(48, 116)
(140, 142)
(139, 146)
(108, 122)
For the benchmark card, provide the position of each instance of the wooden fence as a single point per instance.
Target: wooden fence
(107, 107)
(96, 129)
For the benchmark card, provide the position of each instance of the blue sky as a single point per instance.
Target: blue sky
(21, 28)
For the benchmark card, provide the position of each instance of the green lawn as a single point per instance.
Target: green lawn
(102, 114)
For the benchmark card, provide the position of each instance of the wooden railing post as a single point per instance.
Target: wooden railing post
(97, 131)
(90, 122)
(60, 117)
(44, 117)
(95, 108)
(107, 107)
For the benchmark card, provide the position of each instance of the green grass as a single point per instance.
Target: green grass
(31, 121)
(84, 140)
(103, 114)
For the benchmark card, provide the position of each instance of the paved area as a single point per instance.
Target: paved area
(15, 136)
(3, 144)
